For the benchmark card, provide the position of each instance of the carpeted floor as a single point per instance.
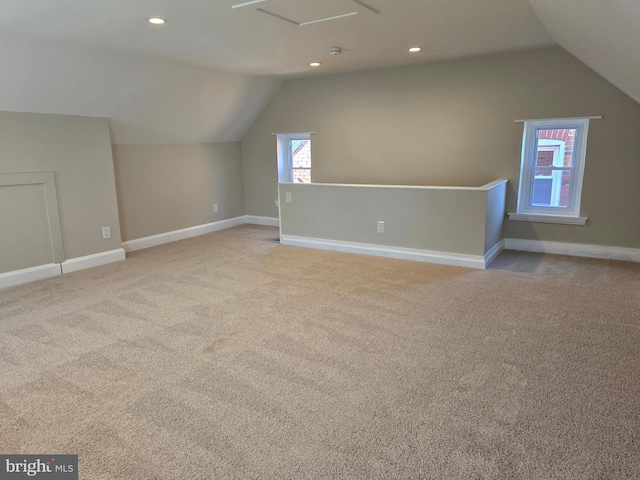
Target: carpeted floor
(231, 356)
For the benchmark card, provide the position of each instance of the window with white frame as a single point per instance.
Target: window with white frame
(552, 167)
(294, 157)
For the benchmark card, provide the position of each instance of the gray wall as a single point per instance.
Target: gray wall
(30, 230)
(162, 188)
(78, 151)
(24, 231)
(432, 219)
(494, 222)
(452, 123)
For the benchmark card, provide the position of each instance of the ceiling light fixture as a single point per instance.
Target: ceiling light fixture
(156, 20)
(415, 49)
(314, 64)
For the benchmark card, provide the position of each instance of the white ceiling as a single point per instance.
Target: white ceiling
(603, 34)
(211, 33)
(207, 73)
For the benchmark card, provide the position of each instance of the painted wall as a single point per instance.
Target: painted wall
(25, 235)
(30, 230)
(495, 216)
(452, 123)
(162, 188)
(432, 220)
(78, 151)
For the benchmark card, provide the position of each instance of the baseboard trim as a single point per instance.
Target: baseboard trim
(427, 256)
(574, 249)
(26, 275)
(268, 221)
(95, 260)
(493, 252)
(168, 237)
(41, 272)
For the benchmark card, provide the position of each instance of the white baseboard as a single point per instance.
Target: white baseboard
(428, 256)
(573, 249)
(18, 277)
(162, 238)
(41, 272)
(269, 221)
(493, 252)
(95, 260)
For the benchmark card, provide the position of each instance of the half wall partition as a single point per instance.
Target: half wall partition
(439, 224)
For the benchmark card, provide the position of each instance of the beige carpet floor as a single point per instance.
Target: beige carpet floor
(231, 356)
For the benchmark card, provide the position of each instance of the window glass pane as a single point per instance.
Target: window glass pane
(301, 153)
(544, 158)
(301, 175)
(560, 142)
(551, 187)
(294, 157)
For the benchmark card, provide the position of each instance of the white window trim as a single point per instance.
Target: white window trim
(551, 214)
(285, 166)
(526, 217)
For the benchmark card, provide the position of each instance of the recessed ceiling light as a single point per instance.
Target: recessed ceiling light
(156, 20)
(415, 49)
(314, 64)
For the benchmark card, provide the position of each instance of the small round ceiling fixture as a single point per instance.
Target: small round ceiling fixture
(314, 64)
(335, 51)
(415, 49)
(156, 21)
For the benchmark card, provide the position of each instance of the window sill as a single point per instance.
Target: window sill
(541, 218)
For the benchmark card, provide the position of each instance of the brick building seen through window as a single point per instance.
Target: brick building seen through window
(301, 160)
(555, 149)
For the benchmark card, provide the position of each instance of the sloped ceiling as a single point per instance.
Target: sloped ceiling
(207, 74)
(147, 99)
(604, 35)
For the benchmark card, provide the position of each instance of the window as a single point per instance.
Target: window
(294, 157)
(552, 168)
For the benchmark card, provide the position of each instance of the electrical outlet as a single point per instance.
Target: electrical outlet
(287, 197)
(215, 208)
(380, 226)
(106, 233)
(276, 203)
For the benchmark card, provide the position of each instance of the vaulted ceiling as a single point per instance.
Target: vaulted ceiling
(207, 73)
(604, 35)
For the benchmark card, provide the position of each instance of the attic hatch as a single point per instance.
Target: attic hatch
(304, 13)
